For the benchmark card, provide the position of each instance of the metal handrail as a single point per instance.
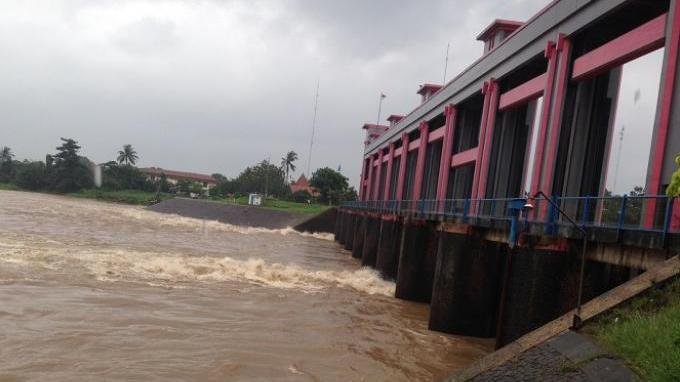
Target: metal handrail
(589, 211)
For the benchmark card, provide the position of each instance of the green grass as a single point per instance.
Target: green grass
(123, 196)
(281, 205)
(645, 333)
(9, 187)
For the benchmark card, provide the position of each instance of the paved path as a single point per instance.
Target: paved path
(567, 357)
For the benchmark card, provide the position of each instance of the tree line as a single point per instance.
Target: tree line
(67, 171)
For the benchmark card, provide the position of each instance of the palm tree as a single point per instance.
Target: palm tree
(127, 155)
(6, 154)
(287, 163)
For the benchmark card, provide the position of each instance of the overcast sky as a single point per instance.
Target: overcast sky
(212, 86)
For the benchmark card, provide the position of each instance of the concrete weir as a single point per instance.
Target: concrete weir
(417, 261)
(387, 259)
(359, 236)
(370, 244)
(467, 285)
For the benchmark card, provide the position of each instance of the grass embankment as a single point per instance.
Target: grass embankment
(123, 196)
(281, 205)
(645, 332)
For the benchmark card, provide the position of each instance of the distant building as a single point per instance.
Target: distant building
(175, 176)
(302, 184)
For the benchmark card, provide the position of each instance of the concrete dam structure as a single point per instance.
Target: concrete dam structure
(507, 198)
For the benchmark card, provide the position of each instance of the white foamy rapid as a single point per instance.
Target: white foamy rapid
(213, 225)
(151, 267)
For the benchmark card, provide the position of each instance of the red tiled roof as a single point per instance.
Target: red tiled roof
(179, 175)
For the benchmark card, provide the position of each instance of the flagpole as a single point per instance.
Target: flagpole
(382, 96)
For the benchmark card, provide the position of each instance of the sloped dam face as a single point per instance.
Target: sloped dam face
(90, 290)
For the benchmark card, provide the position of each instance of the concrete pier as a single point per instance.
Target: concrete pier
(530, 296)
(417, 260)
(370, 250)
(349, 231)
(387, 259)
(467, 283)
(359, 236)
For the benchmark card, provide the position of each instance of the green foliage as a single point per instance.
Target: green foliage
(332, 185)
(68, 171)
(7, 167)
(125, 177)
(287, 163)
(280, 205)
(264, 178)
(646, 333)
(127, 155)
(31, 175)
(301, 196)
(144, 198)
(673, 188)
(188, 187)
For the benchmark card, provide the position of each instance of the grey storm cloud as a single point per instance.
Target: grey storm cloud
(214, 86)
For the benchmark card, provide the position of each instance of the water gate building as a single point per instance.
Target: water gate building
(477, 200)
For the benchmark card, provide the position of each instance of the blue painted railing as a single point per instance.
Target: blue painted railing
(615, 212)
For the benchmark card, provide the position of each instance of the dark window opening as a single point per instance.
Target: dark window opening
(508, 150)
(531, 69)
(436, 122)
(431, 173)
(394, 178)
(586, 126)
(410, 176)
(619, 21)
(468, 120)
(381, 185)
(460, 182)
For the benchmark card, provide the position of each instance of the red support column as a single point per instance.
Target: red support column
(658, 149)
(362, 184)
(378, 177)
(494, 92)
(480, 140)
(388, 175)
(420, 163)
(447, 148)
(402, 166)
(369, 181)
(551, 55)
(564, 54)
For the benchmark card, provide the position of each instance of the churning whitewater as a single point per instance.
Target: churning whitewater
(97, 290)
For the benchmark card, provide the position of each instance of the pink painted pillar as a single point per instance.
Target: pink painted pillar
(369, 180)
(447, 149)
(480, 140)
(494, 92)
(551, 55)
(420, 163)
(564, 55)
(388, 175)
(658, 150)
(378, 177)
(402, 166)
(362, 181)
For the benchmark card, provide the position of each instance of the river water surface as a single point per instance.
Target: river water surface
(98, 291)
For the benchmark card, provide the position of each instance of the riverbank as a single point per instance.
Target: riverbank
(644, 333)
(631, 333)
(279, 205)
(234, 214)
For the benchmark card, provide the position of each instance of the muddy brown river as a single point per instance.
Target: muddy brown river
(96, 291)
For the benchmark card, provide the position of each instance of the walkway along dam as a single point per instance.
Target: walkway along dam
(501, 199)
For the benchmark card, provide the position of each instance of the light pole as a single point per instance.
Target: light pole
(584, 247)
